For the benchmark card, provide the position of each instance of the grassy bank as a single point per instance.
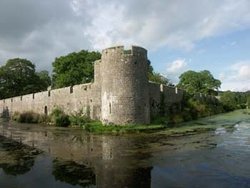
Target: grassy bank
(225, 121)
(98, 127)
(59, 118)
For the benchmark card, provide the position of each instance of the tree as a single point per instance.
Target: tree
(199, 82)
(45, 79)
(157, 77)
(248, 102)
(18, 77)
(229, 100)
(74, 68)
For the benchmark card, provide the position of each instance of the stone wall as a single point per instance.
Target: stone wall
(71, 99)
(164, 99)
(120, 94)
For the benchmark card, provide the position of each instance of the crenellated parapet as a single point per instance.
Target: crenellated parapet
(120, 51)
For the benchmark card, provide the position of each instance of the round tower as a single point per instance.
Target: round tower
(124, 86)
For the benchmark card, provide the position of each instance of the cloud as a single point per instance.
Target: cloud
(237, 77)
(40, 31)
(177, 66)
(241, 71)
(43, 30)
(177, 24)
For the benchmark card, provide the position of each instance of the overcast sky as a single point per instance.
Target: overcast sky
(179, 35)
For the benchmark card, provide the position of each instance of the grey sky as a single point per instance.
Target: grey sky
(43, 30)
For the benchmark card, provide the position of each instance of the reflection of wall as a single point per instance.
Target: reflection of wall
(108, 157)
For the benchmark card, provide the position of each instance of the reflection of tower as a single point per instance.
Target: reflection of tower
(124, 86)
(107, 151)
(73, 173)
(118, 169)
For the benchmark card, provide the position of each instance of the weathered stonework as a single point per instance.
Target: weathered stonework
(120, 93)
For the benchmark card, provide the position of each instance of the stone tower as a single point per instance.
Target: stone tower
(124, 86)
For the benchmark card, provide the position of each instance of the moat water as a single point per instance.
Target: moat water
(61, 157)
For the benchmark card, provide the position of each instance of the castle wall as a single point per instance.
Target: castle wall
(120, 94)
(71, 99)
(172, 95)
(164, 99)
(155, 95)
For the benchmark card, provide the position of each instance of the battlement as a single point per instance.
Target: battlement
(120, 50)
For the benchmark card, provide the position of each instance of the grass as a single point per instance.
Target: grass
(98, 127)
(182, 129)
(211, 123)
(226, 120)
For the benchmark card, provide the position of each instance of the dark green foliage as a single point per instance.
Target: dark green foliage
(18, 77)
(29, 117)
(202, 108)
(160, 120)
(194, 107)
(98, 127)
(248, 101)
(229, 100)
(44, 80)
(157, 77)
(59, 118)
(199, 82)
(78, 119)
(234, 100)
(74, 68)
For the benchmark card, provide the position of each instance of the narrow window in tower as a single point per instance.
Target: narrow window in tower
(110, 108)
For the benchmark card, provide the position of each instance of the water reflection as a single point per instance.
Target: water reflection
(16, 158)
(79, 159)
(88, 160)
(73, 173)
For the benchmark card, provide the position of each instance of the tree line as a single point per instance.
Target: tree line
(19, 76)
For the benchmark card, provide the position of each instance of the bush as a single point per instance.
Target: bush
(176, 118)
(162, 120)
(59, 118)
(15, 116)
(27, 117)
(78, 119)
